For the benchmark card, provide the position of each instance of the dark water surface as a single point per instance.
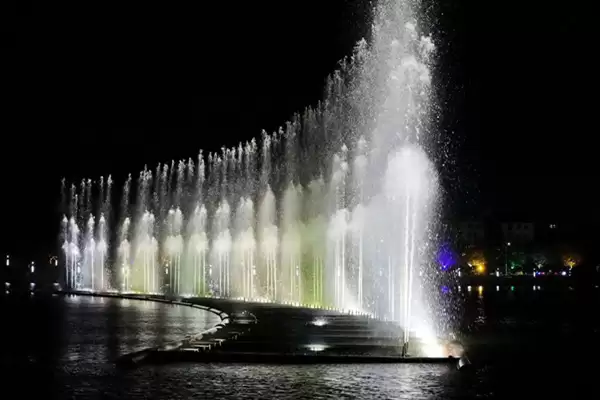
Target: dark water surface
(523, 344)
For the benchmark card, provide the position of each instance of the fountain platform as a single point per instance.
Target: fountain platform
(279, 334)
(288, 358)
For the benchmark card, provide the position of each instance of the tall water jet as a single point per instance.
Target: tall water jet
(102, 233)
(146, 254)
(245, 249)
(222, 250)
(356, 227)
(174, 249)
(410, 190)
(124, 257)
(291, 241)
(316, 240)
(88, 255)
(72, 253)
(268, 236)
(124, 247)
(101, 252)
(198, 247)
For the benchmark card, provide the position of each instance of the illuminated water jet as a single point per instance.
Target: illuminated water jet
(336, 209)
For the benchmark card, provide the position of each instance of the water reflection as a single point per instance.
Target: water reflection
(65, 348)
(480, 318)
(63, 336)
(93, 332)
(229, 381)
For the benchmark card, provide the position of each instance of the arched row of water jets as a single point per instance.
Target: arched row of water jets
(166, 248)
(268, 253)
(334, 210)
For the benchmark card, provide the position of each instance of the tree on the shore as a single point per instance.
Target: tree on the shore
(475, 258)
(517, 262)
(571, 259)
(539, 260)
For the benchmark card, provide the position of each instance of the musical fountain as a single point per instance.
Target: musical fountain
(335, 210)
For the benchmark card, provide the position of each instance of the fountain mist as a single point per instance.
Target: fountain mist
(333, 210)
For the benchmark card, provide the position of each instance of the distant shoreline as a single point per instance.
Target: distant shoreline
(555, 281)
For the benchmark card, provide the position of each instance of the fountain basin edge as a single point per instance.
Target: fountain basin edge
(141, 356)
(162, 357)
(179, 351)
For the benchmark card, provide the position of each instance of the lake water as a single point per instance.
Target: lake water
(523, 343)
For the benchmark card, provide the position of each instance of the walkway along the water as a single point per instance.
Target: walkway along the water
(231, 326)
(272, 333)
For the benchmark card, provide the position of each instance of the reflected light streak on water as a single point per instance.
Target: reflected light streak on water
(64, 347)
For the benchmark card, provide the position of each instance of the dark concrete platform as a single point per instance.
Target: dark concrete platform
(287, 358)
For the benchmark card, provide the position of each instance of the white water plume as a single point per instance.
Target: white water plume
(335, 209)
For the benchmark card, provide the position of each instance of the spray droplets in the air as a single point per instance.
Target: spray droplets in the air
(333, 210)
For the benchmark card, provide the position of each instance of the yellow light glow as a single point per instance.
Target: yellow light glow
(571, 260)
(434, 349)
(477, 260)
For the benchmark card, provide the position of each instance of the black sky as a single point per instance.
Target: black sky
(91, 88)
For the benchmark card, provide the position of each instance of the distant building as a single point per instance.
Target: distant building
(558, 233)
(472, 232)
(518, 232)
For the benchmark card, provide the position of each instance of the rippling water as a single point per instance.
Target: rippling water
(521, 343)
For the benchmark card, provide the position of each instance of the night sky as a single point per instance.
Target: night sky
(92, 88)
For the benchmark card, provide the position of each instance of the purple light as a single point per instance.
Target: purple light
(447, 258)
(445, 289)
